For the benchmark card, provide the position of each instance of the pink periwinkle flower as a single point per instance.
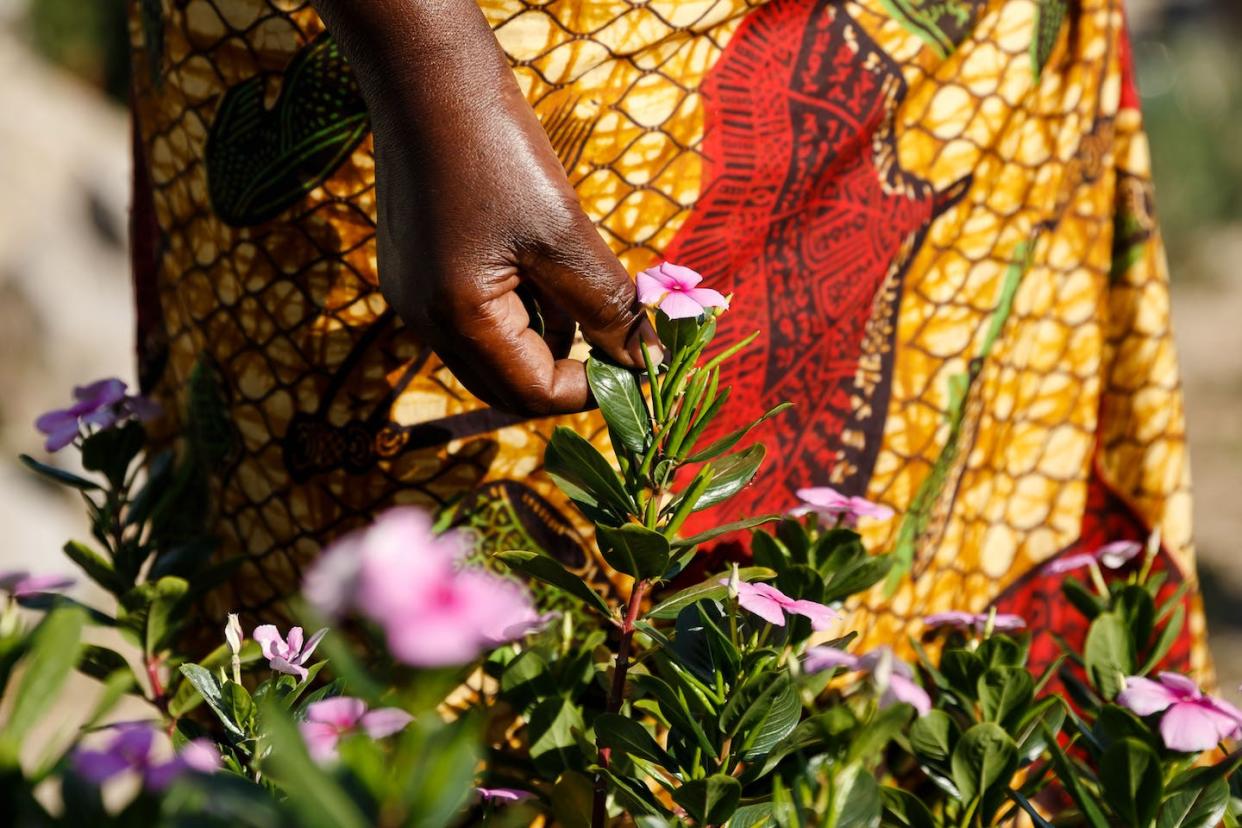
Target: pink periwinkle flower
(329, 720)
(502, 796)
(1192, 721)
(287, 655)
(674, 289)
(130, 750)
(892, 676)
(975, 621)
(835, 507)
(101, 404)
(19, 583)
(770, 604)
(1112, 556)
(434, 611)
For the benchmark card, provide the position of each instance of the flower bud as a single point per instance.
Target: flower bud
(734, 585)
(233, 633)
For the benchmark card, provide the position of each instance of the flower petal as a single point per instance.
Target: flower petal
(680, 306)
(682, 277)
(268, 637)
(1145, 697)
(762, 606)
(309, 648)
(41, 583)
(1005, 622)
(1114, 555)
(320, 740)
(283, 665)
(385, 721)
(651, 287)
(293, 645)
(1191, 727)
(952, 618)
(1183, 687)
(827, 658)
(342, 712)
(98, 766)
(501, 795)
(903, 689)
(708, 298)
(1069, 563)
(821, 615)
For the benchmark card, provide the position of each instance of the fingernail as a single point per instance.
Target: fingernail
(644, 333)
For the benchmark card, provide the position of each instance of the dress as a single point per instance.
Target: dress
(938, 212)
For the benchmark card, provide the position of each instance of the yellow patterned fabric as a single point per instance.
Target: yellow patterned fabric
(939, 213)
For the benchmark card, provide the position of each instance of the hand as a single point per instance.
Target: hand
(473, 204)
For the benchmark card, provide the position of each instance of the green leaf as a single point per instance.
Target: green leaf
(1201, 807)
(571, 800)
(1109, 654)
(1131, 779)
(58, 475)
(710, 801)
(311, 792)
(629, 737)
(637, 551)
(1168, 637)
(54, 648)
(723, 529)
(1005, 694)
(903, 809)
(727, 442)
(983, 762)
(962, 669)
(1069, 777)
(731, 476)
(676, 711)
(586, 477)
(856, 801)
(632, 795)
(710, 590)
(164, 616)
(236, 700)
(553, 744)
(1047, 715)
(934, 736)
(621, 402)
(548, 570)
(1139, 611)
(760, 713)
(205, 683)
(1086, 601)
(113, 449)
(96, 566)
(100, 663)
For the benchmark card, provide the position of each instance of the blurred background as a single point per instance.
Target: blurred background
(66, 315)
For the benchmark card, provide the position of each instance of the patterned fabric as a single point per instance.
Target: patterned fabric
(939, 213)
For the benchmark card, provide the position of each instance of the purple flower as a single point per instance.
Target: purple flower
(892, 676)
(835, 507)
(19, 583)
(409, 580)
(287, 655)
(101, 404)
(770, 604)
(130, 750)
(1192, 721)
(976, 621)
(502, 796)
(1112, 555)
(674, 289)
(328, 720)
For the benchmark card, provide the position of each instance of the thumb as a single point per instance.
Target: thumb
(590, 283)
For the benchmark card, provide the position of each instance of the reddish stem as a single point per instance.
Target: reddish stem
(599, 813)
(157, 686)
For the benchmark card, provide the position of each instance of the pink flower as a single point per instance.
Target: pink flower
(287, 656)
(409, 580)
(328, 720)
(1112, 555)
(101, 404)
(770, 604)
(974, 620)
(1192, 721)
(130, 750)
(19, 583)
(835, 507)
(501, 796)
(674, 290)
(892, 676)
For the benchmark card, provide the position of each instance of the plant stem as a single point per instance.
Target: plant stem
(599, 813)
(159, 697)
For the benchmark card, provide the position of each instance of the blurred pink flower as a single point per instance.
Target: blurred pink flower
(101, 404)
(130, 750)
(19, 583)
(1192, 721)
(328, 720)
(770, 604)
(835, 507)
(287, 656)
(674, 289)
(1112, 555)
(892, 676)
(502, 795)
(409, 580)
(974, 620)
